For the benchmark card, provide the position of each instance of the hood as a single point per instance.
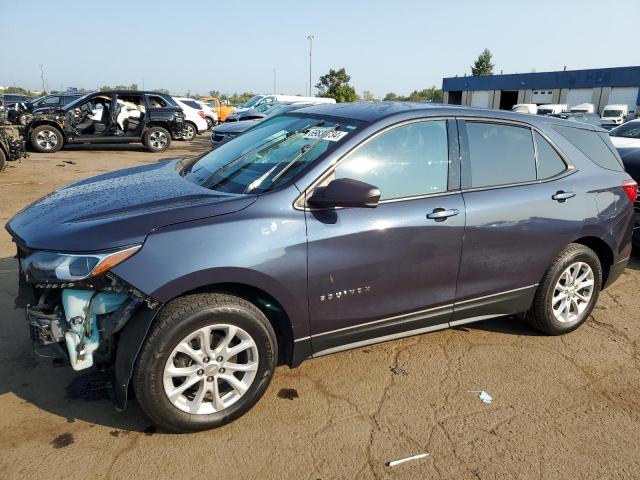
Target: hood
(117, 209)
(235, 127)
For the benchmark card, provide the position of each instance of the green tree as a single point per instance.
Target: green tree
(483, 65)
(162, 90)
(335, 84)
(367, 96)
(391, 97)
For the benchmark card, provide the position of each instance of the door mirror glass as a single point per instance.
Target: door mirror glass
(345, 192)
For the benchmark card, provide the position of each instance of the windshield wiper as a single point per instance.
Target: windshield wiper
(302, 153)
(267, 145)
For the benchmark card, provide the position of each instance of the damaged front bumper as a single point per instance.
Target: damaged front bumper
(83, 323)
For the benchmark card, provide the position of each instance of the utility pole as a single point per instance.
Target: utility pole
(274, 81)
(310, 38)
(42, 78)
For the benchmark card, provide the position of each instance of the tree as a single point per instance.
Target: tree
(335, 84)
(391, 97)
(367, 96)
(162, 90)
(483, 65)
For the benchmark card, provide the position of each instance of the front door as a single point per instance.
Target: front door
(389, 271)
(92, 118)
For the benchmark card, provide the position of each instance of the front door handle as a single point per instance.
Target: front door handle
(441, 214)
(561, 196)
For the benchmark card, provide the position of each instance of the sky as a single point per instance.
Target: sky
(386, 46)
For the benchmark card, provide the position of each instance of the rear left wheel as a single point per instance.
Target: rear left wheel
(207, 361)
(157, 139)
(568, 292)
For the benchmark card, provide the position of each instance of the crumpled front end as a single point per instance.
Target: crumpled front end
(75, 311)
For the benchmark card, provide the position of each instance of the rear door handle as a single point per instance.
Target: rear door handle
(561, 196)
(441, 214)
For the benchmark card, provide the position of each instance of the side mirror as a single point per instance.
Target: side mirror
(345, 192)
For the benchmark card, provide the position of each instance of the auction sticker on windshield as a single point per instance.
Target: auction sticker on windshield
(325, 134)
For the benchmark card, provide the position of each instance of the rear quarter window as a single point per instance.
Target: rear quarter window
(595, 145)
(191, 104)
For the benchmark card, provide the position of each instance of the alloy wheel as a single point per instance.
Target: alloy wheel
(573, 292)
(210, 369)
(157, 140)
(47, 139)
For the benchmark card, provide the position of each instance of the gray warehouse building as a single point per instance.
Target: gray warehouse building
(599, 86)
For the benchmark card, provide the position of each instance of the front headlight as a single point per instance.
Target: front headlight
(68, 267)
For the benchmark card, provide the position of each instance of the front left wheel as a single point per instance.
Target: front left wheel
(207, 360)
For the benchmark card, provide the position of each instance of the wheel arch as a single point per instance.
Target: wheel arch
(33, 125)
(603, 250)
(267, 304)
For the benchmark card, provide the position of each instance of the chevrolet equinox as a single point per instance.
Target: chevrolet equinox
(316, 231)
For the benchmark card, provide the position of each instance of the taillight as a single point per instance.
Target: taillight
(201, 113)
(630, 187)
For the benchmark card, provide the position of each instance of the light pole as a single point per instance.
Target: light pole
(274, 81)
(310, 38)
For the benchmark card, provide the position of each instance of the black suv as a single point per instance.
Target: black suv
(108, 117)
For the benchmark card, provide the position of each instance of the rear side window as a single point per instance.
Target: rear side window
(593, 146)
(192, 104)
(550, 163)
(156, 101)
(499, 154)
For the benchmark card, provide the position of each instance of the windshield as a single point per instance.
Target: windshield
(267, 155)
(627, 130)
(76, 101)
(252, 101)
(612, 113)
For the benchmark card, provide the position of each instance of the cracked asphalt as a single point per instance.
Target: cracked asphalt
(563, 407)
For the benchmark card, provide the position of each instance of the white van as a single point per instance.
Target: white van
(552, 108)
(258, 100)
(525, 108)
(583, 108)
(614, 114)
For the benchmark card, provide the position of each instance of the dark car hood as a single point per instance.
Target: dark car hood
(117, 209)
(236, 127)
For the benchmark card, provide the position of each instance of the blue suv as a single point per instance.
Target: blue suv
(320, 230)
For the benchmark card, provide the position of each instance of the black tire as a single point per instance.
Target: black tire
(541, 315)
(3, 160)
(210, 123)
(174, 323)
(42, 140)
(157, 139)
(190, 130)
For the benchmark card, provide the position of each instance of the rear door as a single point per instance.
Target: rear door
(519, 195)
(381, 272)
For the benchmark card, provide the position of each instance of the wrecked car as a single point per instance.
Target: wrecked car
(11, 149)
(150, 118)
(320, 230)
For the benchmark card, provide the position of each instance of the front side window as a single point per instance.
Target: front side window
(550, 163)
(499, 154)
(267, 155)
(406, 161)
